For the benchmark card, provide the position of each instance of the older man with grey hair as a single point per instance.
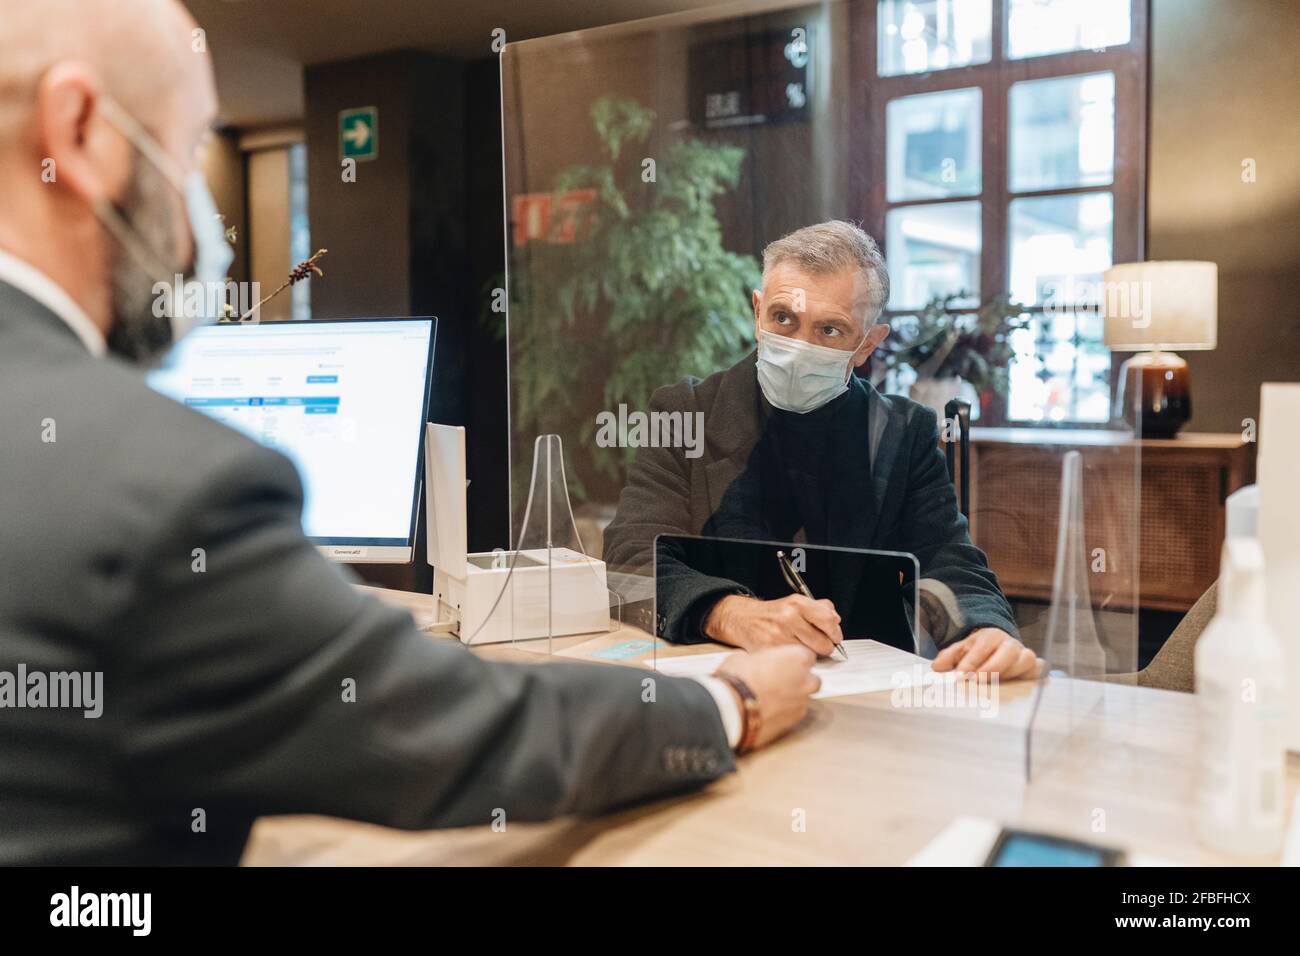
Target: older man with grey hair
(263, 682)
(799, 449)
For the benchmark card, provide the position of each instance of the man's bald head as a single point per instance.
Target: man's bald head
(104, 108)
(143, 51)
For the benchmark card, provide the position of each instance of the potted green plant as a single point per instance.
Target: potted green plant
(636, 294)
(954, 353)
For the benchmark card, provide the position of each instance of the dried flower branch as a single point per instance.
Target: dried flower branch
(301, 271)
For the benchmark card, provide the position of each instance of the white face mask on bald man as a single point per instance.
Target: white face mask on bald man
(143, 334)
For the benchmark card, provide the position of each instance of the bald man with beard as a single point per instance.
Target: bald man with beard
(219, 692)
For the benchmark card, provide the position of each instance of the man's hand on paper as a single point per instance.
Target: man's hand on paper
(989, 650)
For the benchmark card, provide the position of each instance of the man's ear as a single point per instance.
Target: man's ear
(89, 159)
(875, 335)
(758, 306)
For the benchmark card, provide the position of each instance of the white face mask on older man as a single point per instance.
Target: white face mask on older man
(797, 376)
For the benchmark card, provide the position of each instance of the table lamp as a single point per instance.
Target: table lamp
(1153, 308)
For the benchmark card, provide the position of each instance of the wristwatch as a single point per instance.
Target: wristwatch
(753, 717)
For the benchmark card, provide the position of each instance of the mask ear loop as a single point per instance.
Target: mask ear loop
(848, 374)
(116, 224)
(109, 214)
(141, 139)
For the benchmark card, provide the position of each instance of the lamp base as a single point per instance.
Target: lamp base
(1154, 394)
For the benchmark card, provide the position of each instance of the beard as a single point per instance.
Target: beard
(138, 334)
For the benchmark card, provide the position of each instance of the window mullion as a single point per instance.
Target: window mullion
(1127, 63)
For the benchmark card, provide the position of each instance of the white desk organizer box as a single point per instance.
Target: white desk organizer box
(496, 596)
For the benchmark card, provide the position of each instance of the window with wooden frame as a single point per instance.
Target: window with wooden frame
(1005, 149)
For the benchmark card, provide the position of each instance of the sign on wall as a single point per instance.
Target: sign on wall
(548, 217)
(359, 133)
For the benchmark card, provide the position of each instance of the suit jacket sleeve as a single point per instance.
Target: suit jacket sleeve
(266, 683)
(937, 533)
(657, 500)
(685, 595)
(657, 497)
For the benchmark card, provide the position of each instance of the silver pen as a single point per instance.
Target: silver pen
(799, 586)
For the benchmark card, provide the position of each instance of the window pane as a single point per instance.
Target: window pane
(933, 144)
(299, 230)
(917, 36)
(1039, 27)
(933, 250)
(1060, 246)
(1061, 371)
(1062, 132)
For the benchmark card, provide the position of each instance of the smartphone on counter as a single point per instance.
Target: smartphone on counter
(1026, 848)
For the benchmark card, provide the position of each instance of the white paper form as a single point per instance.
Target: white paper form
(871, 667)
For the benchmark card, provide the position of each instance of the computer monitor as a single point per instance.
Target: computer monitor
(345, 400)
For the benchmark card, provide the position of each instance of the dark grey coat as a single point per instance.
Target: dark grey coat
(223, 690)
(907, 503)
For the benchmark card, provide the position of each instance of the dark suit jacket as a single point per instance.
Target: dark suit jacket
(907, 503)
(224, 689)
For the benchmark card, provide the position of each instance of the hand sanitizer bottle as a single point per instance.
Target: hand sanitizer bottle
(1240, 686)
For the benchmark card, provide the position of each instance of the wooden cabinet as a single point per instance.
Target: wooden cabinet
(1153, 509)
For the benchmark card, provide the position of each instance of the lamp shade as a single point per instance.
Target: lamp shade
(1162, 305)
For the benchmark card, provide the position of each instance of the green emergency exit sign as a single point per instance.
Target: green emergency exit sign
(359, 133)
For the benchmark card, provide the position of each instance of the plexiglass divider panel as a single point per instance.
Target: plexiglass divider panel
(1090, 639)
(840, 593)
(646, 168)
(558, 592)
(548, 587)
(639, 167)
(1067, 695)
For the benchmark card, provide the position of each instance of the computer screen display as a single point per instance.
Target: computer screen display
(345, 401)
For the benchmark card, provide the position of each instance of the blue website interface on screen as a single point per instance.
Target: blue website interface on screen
(345, 401)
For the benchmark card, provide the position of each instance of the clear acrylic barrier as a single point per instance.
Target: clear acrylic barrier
(547, 589)
(881, 694)
(1070, 693)
(873, 592)
(636, 225)
(557, 590)
(638, 206)
(1090, 638)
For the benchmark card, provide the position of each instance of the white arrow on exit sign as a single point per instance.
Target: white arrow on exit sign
(359, 134)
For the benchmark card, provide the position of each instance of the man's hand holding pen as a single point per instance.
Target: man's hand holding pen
(753, 624)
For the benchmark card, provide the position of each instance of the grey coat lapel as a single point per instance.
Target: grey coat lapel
(733, 424)
(886, 426)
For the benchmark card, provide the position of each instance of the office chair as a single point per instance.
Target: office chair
(1173, 667)
(959, 411)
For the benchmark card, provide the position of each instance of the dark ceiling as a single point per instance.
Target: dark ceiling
(260, 46)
